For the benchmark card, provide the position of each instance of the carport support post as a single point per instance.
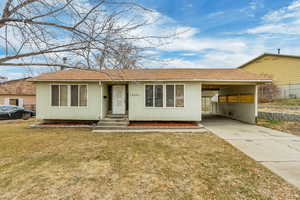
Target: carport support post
(256, 101)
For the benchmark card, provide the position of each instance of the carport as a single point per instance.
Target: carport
(233, 100)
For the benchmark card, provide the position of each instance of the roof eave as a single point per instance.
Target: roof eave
(166, 80)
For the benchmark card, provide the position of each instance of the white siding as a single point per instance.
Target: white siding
(190, 112)
(245, 112)
(46, 111)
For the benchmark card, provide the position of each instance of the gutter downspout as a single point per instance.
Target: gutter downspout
(101, 101)
(256, 102)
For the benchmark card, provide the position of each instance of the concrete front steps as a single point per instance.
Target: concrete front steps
(119, 123)
(113, 122)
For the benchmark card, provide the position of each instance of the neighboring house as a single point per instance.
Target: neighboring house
(18, 92)
(284, 70)
(145, 94)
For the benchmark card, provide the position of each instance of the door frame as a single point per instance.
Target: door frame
(110, 96)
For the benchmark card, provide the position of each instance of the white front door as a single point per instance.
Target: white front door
(118, 99)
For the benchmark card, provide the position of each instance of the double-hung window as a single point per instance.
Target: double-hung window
(154, 96)
(69, 95)
(59, 95)
(170, 95)
(78, 95)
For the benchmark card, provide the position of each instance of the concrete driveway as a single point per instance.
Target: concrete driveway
(278, 151)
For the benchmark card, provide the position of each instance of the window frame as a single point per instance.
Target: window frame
(165, 96)
(68, 95)
(145, 96)
(16, 99)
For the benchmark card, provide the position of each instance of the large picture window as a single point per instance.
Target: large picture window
(172, 93)
(60, 95)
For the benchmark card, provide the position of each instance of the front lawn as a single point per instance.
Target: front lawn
(77, 164)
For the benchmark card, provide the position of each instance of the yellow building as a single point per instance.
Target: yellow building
(284, 70)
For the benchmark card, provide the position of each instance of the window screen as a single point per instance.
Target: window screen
(179, 95)
(170, 95)
(63, 95)
(55, 95)
(159, 96)
(83, 96)
(74, 95)
(149, 95)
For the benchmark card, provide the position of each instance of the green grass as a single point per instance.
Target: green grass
(77, 164)
(268, 121)
(286, 102)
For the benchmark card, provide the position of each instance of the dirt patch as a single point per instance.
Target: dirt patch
(77, 164)
(18, 121)
(67, 123)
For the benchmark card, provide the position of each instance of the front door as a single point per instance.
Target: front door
(118, 99)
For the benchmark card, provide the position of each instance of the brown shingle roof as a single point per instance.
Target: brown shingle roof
(152, 74)
(17, 87)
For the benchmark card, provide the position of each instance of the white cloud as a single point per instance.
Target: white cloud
(199, 44)
(256, 4)
(283, 21)
(189, 54)
(216, 14)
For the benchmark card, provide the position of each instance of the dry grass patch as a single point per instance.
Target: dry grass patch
(285, 126)
(76, 164)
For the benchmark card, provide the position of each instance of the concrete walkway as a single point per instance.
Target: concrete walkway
(278, 151)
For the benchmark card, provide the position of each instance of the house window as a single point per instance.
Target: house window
(149, 95)
(60, 95)
(74, 95)
(63, 95)
(82, 95)
(170, 96)
(159, 100)
(55, 95)
(155, 94)
(14, 102)
(179, 96)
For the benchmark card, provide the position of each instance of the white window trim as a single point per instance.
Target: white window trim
(165, 96)
(69, 96)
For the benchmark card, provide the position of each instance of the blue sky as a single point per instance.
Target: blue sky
(219, 33)
(228, 33)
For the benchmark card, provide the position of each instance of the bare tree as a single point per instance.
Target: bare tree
(268, 92)
(102, 34)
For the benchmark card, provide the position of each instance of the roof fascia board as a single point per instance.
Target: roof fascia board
(169, 80)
